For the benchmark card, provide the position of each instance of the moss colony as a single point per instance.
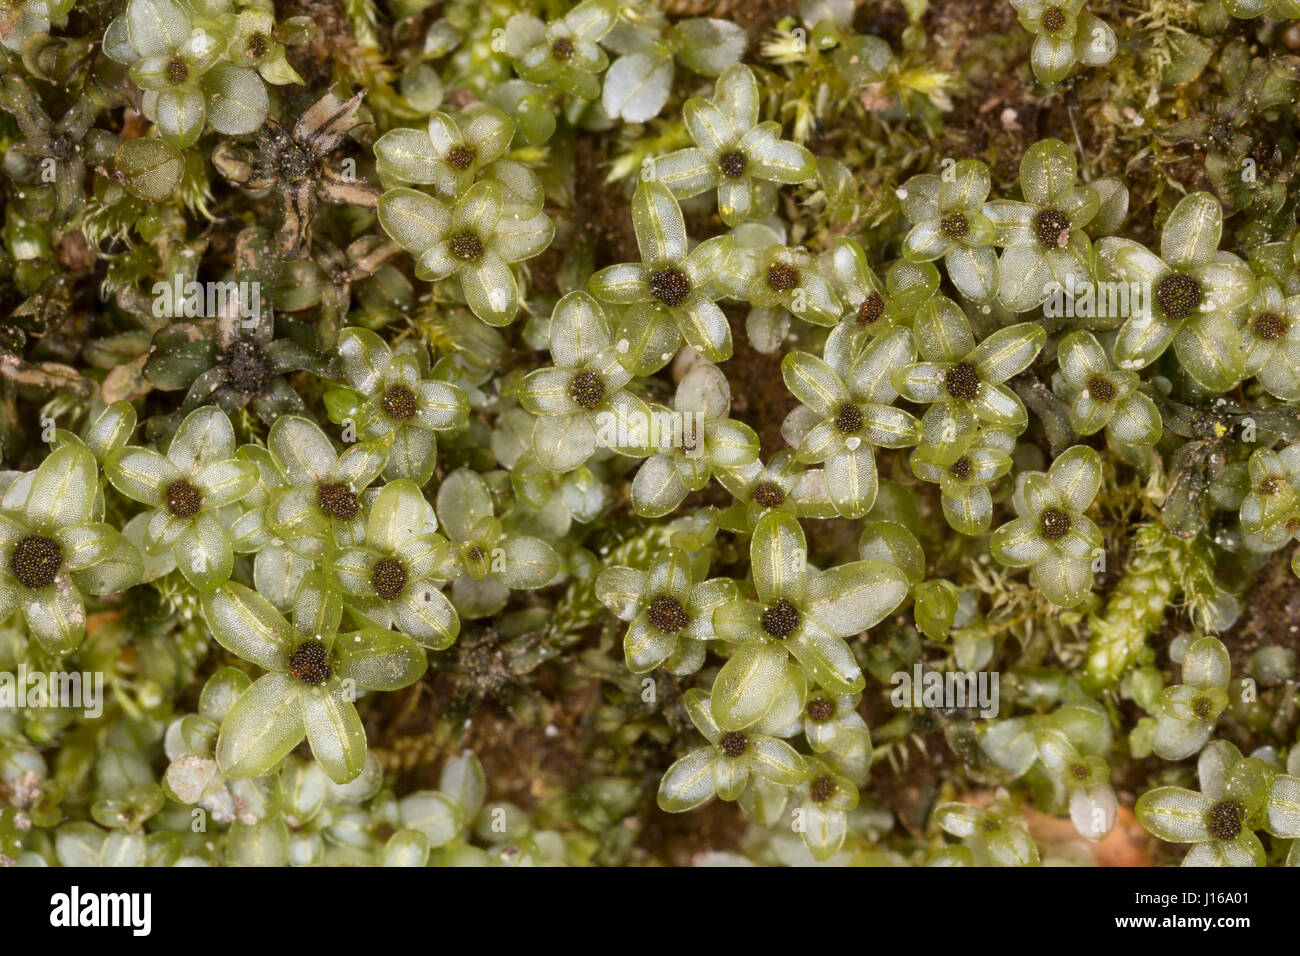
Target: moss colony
(644, 433)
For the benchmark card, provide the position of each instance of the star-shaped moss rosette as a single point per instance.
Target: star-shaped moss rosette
(581, 403)
(189, 489)
(49, 161)
(256, 43)
(988, 837)
(1043, 237)
(1186, 713)
(964, 482)
(563, 53)
(1085, 778)
(488, 560)
(807, 616)
(669, 607)
(962, 381)
(1100, 396)
(244, 363)
(299, 164)
(1065, 35)
(872, 307)
(182, 68)
(1011, 743)
(700, 441)
(1053, 537)
(948, 223)
(783, 484)
(393, 399)
(55, 550)
(452, 152)
(677, 283)
(847, 412)
(475, 240)
(1191, 292)
(823, 801)
(743, 159)
(785, 277)
(320, 504)
(314, 676)
(1238, 796)
(1270, 340)
(833, 727)
(1270, 511)
(390, 578)
(323, 284)
(732, 759)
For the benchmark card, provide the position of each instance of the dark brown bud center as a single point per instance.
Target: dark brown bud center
(782, 277)
(562, 49)
(666, 614)
(257, 46)
(780, 619)
(460, 157)
(1101, 390)
(768, 495)
(297, 163)
(962, 381)
(849, 419)
(1271, 485)
(871, 309)
(177, 71)
(820, 709)
(310, 663)
(587, 389)
(1201, 707)
(389, 578)
(961, 469)
(1055, 523)
(467, 247)
(1225, 819)
(1178, 294)
(399, 403)
(670, 287)
(1079, 771)
(338, 501)
(36, 561)
(733, 744)
(954, 226)
(1053, 19)
(1052, 229)
(822, 789)
(733, 164)
(183, 499)
(1270, 326)
(246, 367)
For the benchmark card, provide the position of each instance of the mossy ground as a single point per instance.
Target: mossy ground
(998, 113)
